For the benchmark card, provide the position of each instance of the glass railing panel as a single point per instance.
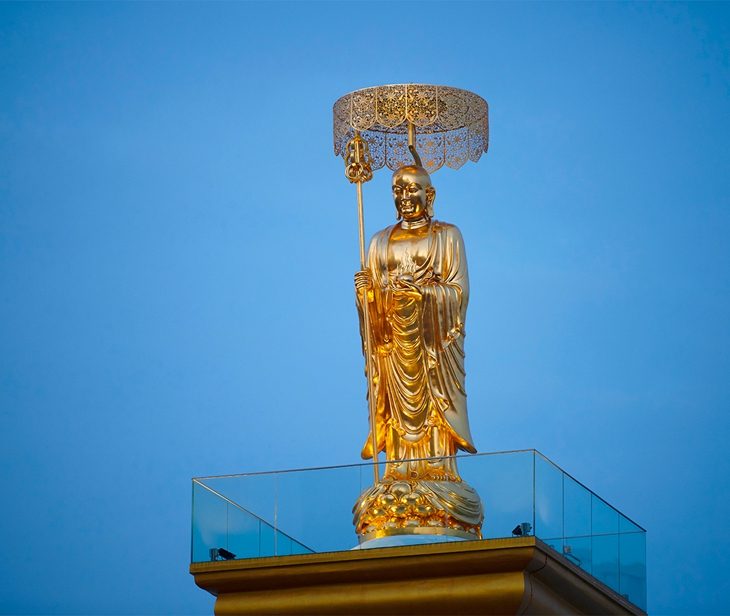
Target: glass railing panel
(256, 493)
(632, 574)
(556, 543)
(579, 551)
(244, 530)
(523, 493)
(209, 522)
(448, 516)
(223, 530)
(627, 526)
(299, 548)
(548, 502)
(605, 560)
(577, 508)
(314, 507)
(504, 483)
(283, 545)
(267, 540)
(604, 518)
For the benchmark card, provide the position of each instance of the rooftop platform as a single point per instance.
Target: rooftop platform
(265, 531)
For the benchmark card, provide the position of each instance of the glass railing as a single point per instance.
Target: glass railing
(305, 511)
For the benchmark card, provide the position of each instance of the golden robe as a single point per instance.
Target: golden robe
(417, 347)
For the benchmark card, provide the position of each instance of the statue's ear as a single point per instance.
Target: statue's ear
(430, 198)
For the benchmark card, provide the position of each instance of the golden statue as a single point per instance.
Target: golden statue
(412, 294)
(417, 288)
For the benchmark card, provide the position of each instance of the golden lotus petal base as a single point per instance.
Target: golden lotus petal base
(418, 506)
(419, 530)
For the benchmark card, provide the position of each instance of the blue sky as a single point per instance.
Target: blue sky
(177, 244)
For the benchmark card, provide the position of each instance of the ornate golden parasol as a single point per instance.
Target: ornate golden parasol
(390, 125)
(451, 125)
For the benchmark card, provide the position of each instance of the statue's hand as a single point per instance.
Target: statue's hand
(363, 281)
(405, 281)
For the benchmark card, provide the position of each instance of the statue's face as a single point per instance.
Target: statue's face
(412, 192)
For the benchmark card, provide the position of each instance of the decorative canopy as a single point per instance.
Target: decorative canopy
(451, 125)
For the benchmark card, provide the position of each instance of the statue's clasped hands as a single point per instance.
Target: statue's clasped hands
(405, 282)
(402, 282)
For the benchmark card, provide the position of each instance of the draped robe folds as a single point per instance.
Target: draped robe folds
(417, 344)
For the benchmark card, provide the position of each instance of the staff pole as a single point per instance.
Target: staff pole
(358, 170)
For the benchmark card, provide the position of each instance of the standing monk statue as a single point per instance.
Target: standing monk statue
(416, 288)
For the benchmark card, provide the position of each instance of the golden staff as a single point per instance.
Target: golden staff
(358, 169)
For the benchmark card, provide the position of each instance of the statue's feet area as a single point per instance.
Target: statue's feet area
(418, 506)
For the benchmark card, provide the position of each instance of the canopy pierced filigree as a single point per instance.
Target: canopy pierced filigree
(451, 125)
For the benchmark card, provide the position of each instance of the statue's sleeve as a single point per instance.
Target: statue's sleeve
(375, 264)
(445, 304)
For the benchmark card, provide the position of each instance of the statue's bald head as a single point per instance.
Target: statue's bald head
(415, 174)
(413, 193)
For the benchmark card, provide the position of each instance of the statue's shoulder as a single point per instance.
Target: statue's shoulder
(382, 233)
(438, 226)
(381, 236)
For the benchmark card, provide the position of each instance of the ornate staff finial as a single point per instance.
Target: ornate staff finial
(358, 162)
